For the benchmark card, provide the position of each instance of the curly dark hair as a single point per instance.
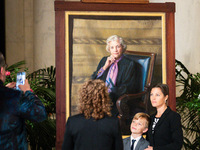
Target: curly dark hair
(94, 100)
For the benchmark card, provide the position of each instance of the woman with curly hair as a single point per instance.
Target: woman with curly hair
(93, 128)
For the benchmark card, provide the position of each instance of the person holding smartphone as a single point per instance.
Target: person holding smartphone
(116, 70)
(16, 106)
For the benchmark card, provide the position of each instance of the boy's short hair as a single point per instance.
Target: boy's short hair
(144, 116)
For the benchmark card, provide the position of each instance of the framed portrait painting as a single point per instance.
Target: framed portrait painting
(81, 33)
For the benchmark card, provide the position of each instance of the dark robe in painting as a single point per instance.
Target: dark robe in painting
(125, 79)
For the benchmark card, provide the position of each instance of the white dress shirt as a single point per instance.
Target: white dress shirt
(137, 139)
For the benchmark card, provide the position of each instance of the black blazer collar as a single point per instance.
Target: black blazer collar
(162, 118)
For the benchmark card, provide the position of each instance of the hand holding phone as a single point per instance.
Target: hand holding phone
(25, 87)
(21, 77)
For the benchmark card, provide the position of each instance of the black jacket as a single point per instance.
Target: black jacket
(15, 108)
(90, 134)
(168, 134)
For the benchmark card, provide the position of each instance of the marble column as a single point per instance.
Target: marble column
(44, 33)
(19, 32)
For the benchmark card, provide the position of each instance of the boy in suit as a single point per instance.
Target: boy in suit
(138, 126)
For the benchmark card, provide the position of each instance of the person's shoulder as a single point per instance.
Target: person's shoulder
(78, 116)
(104, 58)
(126, 60)
(172, 113)
(110, 121)
(145, 140)
(111, 118)
(126, 139)
(144, 143)
(75, 118)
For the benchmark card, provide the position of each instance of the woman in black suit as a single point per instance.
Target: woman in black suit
(93, 128)
(165, 131)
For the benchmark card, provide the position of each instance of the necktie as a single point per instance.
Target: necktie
(132, 145)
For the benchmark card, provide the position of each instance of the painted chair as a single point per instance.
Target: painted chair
(129, 104)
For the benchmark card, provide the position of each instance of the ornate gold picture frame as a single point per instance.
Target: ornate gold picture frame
(86, 33)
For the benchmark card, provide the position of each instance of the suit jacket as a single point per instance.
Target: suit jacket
(125, 79)
(141, 145)
(15, 108)
(168, 134)
(90, 134)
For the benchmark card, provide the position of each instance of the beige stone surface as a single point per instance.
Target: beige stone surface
(22, 13)
(30, 33)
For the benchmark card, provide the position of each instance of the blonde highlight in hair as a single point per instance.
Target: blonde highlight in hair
(143, 116)
(94, 100)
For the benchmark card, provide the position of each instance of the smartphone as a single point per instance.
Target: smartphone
(21, 77)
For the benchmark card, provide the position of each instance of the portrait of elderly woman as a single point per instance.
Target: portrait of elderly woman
(116, 70)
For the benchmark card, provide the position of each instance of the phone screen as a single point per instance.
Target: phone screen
(21, 76)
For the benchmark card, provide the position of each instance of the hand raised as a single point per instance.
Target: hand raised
(11, 85)
(25, 87)
(110, 60)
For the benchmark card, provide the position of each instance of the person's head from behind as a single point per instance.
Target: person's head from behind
(159, 95)
(94, 99)
(139, 124)
(2, 68)
(115, 46)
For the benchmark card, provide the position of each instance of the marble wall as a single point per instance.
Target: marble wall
(44, 33)
(187, 30)
(30, 32)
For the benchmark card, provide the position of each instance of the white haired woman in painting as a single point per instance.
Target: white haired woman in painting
(116, 70)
